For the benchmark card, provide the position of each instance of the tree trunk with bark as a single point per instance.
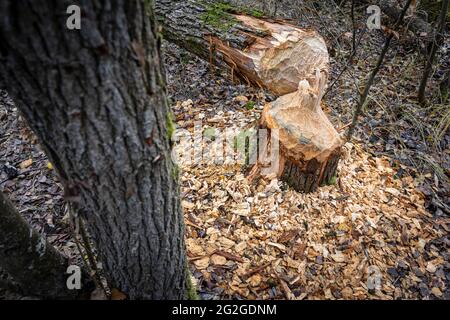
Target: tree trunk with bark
(291, 62)
(96, 99)
(34, 265)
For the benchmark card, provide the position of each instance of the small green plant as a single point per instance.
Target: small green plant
(184, 58)
(245, 144)
(332, 181)
(210, 133)
(250, 105)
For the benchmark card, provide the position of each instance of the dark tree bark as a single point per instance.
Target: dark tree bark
(96, 99)
(291, 62)
(34, 265)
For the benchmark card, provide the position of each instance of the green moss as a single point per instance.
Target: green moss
(257, 13)
(175, 171)
(251, 12)
(184, 58)
(160, 80)
(218, 16)
(170, 125)
(148, 6)
(191, 290)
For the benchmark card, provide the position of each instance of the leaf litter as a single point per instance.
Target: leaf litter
(323, 245)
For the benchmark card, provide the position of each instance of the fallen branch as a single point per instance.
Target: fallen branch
(228, 255)
(258, 269)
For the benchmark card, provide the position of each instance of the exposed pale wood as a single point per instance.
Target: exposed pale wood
(279, 60)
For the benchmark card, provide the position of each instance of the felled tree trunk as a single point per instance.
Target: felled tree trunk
(289, 61)
(96, 99)
(25, 255)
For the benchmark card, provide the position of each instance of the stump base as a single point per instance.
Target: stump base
(307, 177)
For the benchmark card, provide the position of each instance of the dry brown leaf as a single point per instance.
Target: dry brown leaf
(240, 246)
(277, 245)
(229, 256)
(202, 263)
(254, 280)
(436, 291)
(338, 256)
(431, 267)
(288, 236)
(187, 205)
(218, 260)
(241, 99)
(26, 163)
(116, 294)
(347, 293)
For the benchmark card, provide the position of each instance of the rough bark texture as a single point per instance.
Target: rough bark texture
(194, 24)
(310, 175)
(96, 99)
(26, 256)
(291, 62)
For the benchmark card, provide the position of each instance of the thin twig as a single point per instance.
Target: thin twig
(385, 49)
(348, 63)
(352, 14)
(434, 47)
(90, 254)
(258, 269)
(76, 225)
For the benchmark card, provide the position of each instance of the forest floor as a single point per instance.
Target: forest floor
(380, 232)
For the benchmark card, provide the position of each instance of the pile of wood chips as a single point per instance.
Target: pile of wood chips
(362, 238)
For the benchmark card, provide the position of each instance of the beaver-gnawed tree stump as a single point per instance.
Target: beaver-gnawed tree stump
(309, 145)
